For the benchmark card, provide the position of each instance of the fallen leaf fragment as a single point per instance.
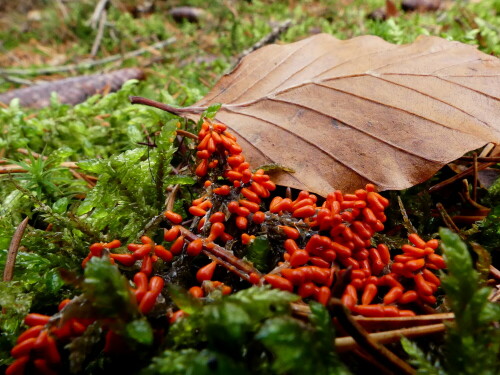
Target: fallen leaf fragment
(346, 113)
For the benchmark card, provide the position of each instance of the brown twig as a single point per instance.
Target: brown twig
(485, 159)
(269, 38)
(186, 134)
(8, 271)
(448, 220)
(382, 323)
(402, 322)
(459, 176)
(96, 15)
(224, 255)
(163, 106)
(169, 205)
(66, 164)
(11, 168)
(63, 9)
(87, 64)
(474, 184)
(343, 344)
(226, 265)
(495, 272)
(100, 33)
(384, 356)
(472, 201)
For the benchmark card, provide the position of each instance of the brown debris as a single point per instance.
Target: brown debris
(420, 5)
(71, 90)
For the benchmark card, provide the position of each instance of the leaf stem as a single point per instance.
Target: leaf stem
(165, 107)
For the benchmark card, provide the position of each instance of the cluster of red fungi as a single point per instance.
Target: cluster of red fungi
(321, 243)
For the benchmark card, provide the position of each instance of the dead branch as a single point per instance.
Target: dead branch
(100, 33)
(269, 38)
(8, 271)
(448, 220)
(459, 176)
(88, 63)
(226, 257)
(98, 10)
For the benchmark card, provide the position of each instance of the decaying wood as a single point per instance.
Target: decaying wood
(8, 271)
(421, 5)
(71, 90)
(187, 13)
(346, 113)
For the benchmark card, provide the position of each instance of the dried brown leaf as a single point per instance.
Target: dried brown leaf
(345, 113)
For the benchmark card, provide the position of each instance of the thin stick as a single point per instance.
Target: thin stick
(225, 255)
(87, 64)
(19, 81)
(98, 10)
(459, 176)
(11, 168)
(225, 264)
(448, 220)
(163, 106)
(186, 134)
(406, 220)
(474, 184)
(301, 309)
(402, 322)
(100, 33)
(494, 272)
(62, 8)
(169, 205)
(80, 176)
(8, 271)
(269, 38)
(384, 356)
(480, 159)
(471, 200)
(343, 344)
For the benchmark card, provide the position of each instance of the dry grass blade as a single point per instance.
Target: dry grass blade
(8, 271)
(343, 344)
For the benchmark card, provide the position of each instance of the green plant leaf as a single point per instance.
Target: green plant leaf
(140, 331)
(472, 342)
